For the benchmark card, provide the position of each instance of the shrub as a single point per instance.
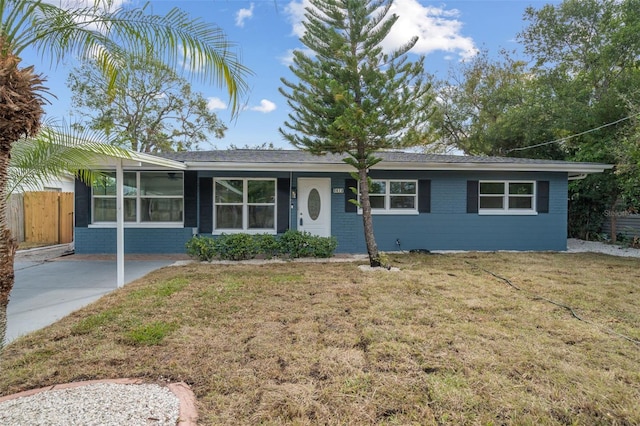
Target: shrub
(241, 246)
(296, 244)
(267, 245)
(236, 246)
(202, 248)
(302, 244)
(323, 246)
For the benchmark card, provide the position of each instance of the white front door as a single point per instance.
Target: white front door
(314, 206)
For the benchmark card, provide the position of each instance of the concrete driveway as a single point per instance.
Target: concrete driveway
(49, 286)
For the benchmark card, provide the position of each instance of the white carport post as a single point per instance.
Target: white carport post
(119, 223)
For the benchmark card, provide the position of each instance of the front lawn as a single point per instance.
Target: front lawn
(443, 341)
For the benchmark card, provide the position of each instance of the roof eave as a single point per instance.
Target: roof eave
(574, 169)
(140, 160)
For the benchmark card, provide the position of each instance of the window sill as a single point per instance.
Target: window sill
(392, 212)
(244, 231)
(139, 225)
(507, 213)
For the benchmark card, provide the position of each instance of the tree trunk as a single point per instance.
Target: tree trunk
(20, 114)
(367, 220)
(7, 248)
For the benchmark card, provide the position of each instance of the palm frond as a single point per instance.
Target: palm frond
(56, 151)
(201, 49)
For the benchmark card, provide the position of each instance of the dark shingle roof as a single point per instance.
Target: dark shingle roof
(250, 156)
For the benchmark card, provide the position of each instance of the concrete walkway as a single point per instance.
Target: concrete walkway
(50, 285)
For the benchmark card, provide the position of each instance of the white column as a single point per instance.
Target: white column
(120, 223)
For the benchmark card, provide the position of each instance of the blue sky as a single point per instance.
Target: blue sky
(266, 31)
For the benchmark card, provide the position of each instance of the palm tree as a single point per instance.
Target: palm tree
(106, 33)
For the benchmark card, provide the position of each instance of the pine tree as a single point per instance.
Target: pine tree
(351, 96)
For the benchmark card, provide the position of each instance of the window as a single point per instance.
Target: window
(244, 204)
(507, 197)
(149, 197)
(393, 196)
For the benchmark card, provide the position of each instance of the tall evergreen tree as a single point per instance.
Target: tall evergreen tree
(351, 97)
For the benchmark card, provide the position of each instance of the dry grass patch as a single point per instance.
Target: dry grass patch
(441, 342)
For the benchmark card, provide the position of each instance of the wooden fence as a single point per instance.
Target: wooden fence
(15, 216)
(41, 217)
(624, 223)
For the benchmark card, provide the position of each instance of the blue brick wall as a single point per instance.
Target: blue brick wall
(136, 240)
(447, 227)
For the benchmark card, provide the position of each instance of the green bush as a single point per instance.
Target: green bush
(236, 246)
(202, 248)
(294, 244)
(268, 245)
(323, 246)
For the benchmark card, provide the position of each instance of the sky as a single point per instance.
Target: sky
(265, 32)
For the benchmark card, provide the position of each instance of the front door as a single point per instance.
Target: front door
(314, 206)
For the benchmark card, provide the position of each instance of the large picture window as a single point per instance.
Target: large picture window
(506, 197)
(393, 196)
(149, 197)
(244, 204)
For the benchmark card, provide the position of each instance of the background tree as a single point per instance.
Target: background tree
(156, 111)
(573, 102)
(99, 32)
(350, 96)
(486, 108)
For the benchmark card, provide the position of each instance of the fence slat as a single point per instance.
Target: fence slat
(66, 218)
(15, 216)
(46, 217)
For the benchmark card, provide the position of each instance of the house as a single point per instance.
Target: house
(420, 201)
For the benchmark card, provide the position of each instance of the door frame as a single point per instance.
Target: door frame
(325, 197)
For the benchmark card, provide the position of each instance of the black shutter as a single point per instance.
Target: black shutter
(190, 199)
(542, 199)
(472, 196)
(283, 205)
(206, 206)
(349, 207)
(424, 196)
(82, 204)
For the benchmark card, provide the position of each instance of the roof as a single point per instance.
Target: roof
(298, 160)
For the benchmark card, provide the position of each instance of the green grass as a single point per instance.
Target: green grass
(443, 341)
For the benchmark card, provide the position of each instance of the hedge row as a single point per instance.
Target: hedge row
(292, 244)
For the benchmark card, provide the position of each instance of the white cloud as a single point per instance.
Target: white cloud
(438, 29)
(215, 104)
(244, 14)
(265, 107)
(287, 58)
(295, 11)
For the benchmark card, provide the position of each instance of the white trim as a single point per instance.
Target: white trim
(245, 206)
(138, 197)
(505, 210)
(521, 212)
(162, 225)
(136, 160)
(247, 231)
(572, 169)
(397, 212)
(387, 198)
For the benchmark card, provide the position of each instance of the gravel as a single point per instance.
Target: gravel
(100, 404)
(581, 246)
